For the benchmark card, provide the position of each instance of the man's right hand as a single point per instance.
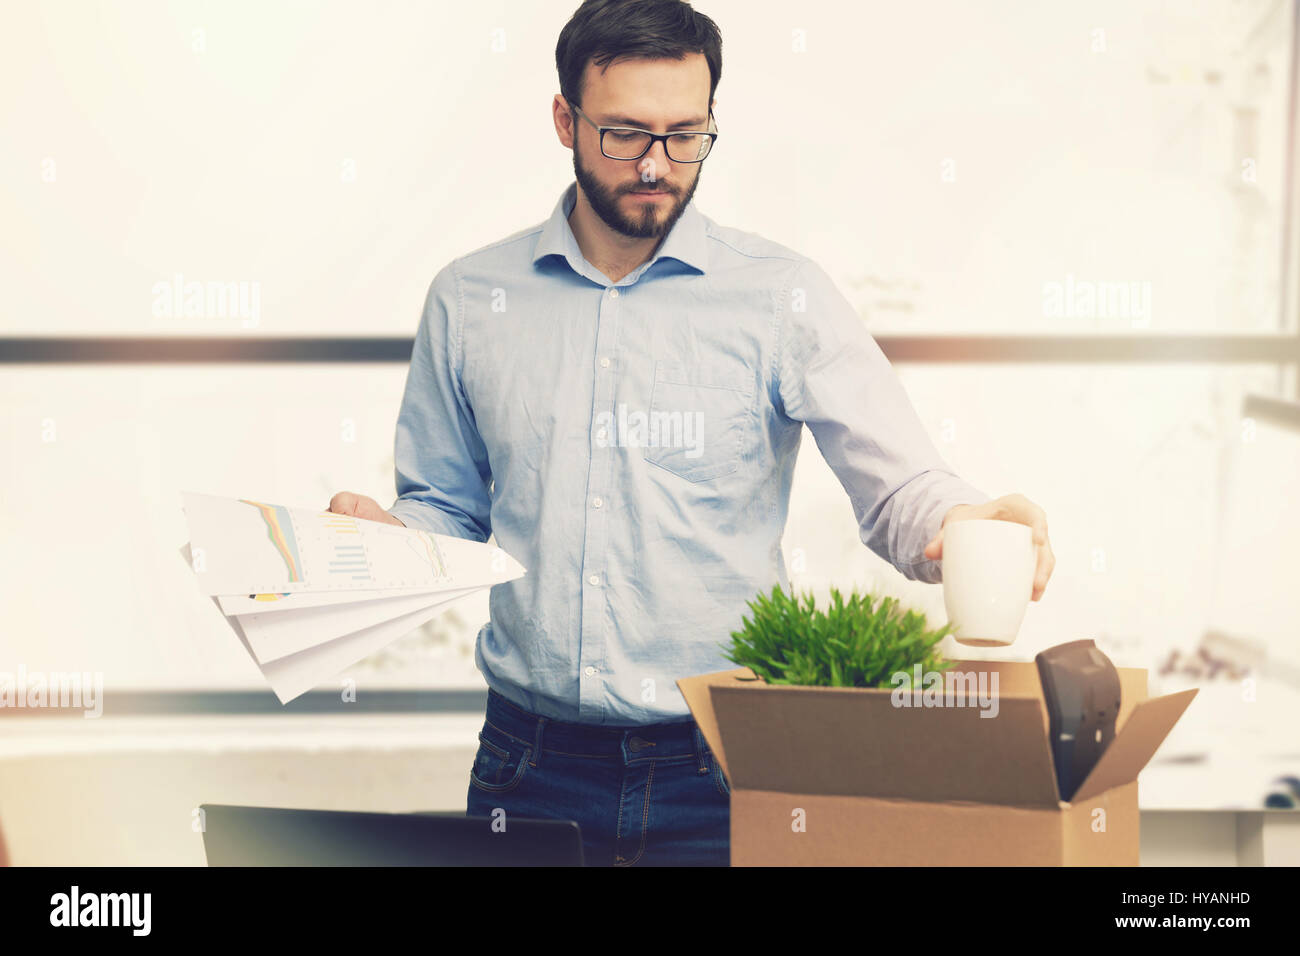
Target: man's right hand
(359, 506)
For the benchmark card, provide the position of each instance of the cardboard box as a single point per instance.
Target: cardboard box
(831, 776)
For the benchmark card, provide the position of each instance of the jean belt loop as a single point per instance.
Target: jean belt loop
(537, 742)
(699, 749)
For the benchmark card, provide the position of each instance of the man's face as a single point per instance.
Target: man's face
(640, 198)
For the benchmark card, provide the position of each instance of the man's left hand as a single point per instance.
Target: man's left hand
(1015, 508)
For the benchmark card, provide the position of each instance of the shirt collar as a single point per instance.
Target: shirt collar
(685, 242)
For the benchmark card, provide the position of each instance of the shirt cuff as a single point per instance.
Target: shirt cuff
(415, 514)
(946, 491)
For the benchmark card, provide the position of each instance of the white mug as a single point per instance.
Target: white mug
(988, 579)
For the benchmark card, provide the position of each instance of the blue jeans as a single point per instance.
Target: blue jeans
(652, 795)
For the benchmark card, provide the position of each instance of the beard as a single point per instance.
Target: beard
(648, 222)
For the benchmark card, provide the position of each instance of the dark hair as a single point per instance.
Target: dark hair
(604, 30)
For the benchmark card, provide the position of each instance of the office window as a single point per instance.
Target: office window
(1110, 168)
(95, 460)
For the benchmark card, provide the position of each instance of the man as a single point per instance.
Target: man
(619, 394)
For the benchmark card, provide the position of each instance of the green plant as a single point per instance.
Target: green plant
(855, 644)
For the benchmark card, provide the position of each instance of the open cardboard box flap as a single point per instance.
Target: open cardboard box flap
(856, 742)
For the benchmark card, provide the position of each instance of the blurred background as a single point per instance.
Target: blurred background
(1074, 229)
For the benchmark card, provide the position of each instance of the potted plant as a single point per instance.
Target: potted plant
(863, 642)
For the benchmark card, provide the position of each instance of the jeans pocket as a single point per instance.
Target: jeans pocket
(719, 777)
(700, 419)
(500, 763)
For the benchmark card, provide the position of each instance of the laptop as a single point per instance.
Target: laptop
(275, 836)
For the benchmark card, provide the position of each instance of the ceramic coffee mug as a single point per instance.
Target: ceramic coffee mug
(988, 579)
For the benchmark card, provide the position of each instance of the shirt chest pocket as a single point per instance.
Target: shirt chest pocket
(699, 420)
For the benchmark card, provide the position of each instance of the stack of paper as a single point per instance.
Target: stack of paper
(309, 593)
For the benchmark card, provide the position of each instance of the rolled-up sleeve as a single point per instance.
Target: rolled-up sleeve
(833, 377)
(441, 463)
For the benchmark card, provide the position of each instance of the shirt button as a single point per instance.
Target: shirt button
(594, 579)
(604, 361)
(589, 671)
(600, 435)
(596, 502)
(613, 293)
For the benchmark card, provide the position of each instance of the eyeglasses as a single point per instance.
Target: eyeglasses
(626, 142)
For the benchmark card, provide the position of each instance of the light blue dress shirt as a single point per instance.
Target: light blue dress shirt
(632, 444)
